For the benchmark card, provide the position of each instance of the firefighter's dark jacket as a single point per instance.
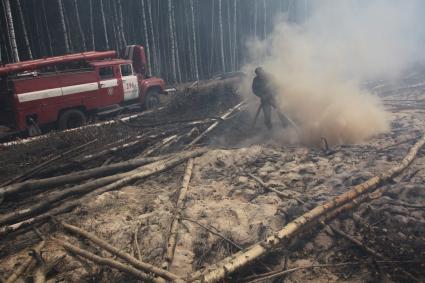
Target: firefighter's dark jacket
(261, 87)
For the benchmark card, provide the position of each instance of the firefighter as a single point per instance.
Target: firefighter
(262, 86)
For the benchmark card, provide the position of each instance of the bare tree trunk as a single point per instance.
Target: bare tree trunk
(49, 37)
(265, 19)
(38, 35)
(190, 72)
(102, 11)
(116, 37)
(212, 39)
(291, 10)
(195, 49)
(77, 14)
(64, 30)
(154, 61)
(68, 30)
(121, 23)
(145, 29)
(4, 40)
(255, 17)
(229, 38)
(172, 41)
(11, 30)
(93, 46)
(198, 44)
(179, 74)
(137, 263)
(116, 25)
(172, 239)
(1, 51)
(7, 44)
(235, 64)
(24, 29)
(220, 19)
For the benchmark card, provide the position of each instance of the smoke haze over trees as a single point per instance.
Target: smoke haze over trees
(321, 64)
(186, 39)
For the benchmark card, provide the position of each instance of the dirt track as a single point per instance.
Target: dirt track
(224, 198)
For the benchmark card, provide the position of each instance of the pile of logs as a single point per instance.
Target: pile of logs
(64, 187)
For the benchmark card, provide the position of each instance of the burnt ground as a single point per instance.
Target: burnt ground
(223, 197)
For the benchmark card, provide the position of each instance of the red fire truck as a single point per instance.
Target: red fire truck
(66, 90)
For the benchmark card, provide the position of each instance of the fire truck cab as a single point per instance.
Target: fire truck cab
(66, 90)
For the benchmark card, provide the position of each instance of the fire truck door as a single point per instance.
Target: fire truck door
(129, 82)
(108, 87)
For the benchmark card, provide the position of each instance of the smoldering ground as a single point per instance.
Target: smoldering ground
(319, 65)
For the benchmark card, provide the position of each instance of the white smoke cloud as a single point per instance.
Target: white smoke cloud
(319, 64)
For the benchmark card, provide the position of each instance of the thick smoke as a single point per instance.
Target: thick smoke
(320, 64)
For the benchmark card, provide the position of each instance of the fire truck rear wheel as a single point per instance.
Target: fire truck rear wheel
(152, 100)
(72, 118)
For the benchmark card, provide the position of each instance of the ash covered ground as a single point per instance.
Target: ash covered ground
(225, 199)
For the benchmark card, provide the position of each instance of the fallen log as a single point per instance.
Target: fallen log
(43, 184)
(281, 194)
(125, 145)
(187, 123)
(116, 147)
(181, 140)
(274, 274)
(226, 80)
(38, 219)
(29, 173)
(23, 267)
(158, 145)
(216, 232)
(40, 271)
(230, 264)
(106, 261)
(114, 181)
(146, 267)
(136, 243)
(172, 239)
(218, 122)
(82, 128)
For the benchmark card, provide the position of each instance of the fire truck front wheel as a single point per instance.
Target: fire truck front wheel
(72, 118)
(152, 99)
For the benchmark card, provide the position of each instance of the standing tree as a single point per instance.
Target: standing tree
(68, 29)
(179, 75)
(234, 34)
(210, 69)
(154, 61)
(11, 31)
(24, 29)
(77, 15)
(194, 41)
(93, 47)
(105, 34)
(116, 26)
(265, 19)
(255, 17)
(229, 38)
(49, 37)
(220, 20)
(64, 30)
(172, 41)
(121, 24)
(145, 30)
